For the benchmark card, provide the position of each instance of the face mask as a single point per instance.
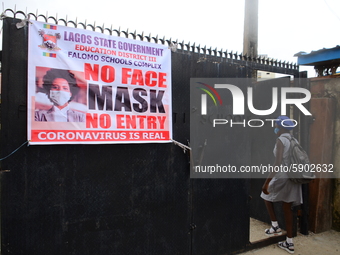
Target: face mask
(276, 130)
(60, 97)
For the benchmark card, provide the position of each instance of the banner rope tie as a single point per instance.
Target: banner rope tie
(15, 150)
(23, 22)
(3, 16)
(184, 147)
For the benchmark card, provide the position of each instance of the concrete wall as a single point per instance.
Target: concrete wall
(325, 148)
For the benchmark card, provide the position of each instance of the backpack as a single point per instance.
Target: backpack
(299, 168)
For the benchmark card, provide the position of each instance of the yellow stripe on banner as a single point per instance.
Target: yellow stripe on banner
(51, 55)
(50, 26)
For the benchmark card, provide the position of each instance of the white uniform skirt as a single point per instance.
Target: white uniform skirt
(281, 189)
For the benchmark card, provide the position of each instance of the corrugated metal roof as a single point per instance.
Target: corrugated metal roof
(319, 57)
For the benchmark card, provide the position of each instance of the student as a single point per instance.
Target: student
(60, 87)
(278, 187)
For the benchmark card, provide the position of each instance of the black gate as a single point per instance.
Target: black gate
(263, 141)
(117, 199)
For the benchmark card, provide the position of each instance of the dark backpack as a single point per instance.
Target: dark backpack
(300, 170)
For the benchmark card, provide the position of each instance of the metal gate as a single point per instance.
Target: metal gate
(117, 199)
(263, 141)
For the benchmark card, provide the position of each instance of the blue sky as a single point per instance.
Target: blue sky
(285, 27)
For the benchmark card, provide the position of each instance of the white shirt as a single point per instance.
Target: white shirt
(60, 115)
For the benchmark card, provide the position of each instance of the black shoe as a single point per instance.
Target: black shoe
(273, 231)
(286, 246)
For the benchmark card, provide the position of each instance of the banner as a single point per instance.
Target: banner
(86, 87)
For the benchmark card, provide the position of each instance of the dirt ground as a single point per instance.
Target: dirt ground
(326, 243)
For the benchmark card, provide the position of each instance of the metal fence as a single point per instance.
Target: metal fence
(118, 199)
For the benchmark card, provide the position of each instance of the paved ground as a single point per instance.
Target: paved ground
(326, 243)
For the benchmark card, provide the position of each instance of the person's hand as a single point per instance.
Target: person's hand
(265, 188)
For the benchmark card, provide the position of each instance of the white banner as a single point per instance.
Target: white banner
(86, 87)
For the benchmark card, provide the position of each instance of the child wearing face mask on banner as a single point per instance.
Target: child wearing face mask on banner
(60, 87)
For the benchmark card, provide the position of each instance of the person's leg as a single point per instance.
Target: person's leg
(270, 209)
(288, 245)
(275, 229)
(288, 213)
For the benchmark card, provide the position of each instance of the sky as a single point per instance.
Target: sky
(285, 27)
